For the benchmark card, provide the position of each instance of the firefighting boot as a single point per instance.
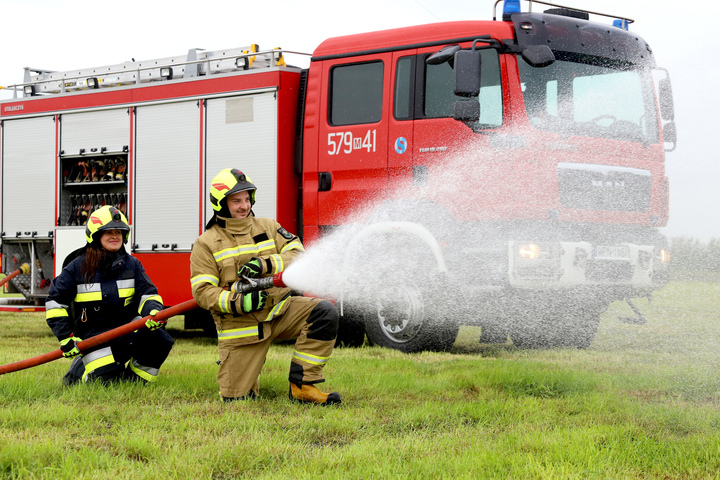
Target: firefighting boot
(249, 396)
(311, 394)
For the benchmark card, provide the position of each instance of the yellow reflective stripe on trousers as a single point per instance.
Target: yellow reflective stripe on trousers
(243, 250)
(146, 373)
(314, 359)
(97, 359)
(211, 279)
(238, 333)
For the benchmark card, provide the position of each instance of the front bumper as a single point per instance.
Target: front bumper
(571, 264)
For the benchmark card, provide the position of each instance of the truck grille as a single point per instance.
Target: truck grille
(601, 187)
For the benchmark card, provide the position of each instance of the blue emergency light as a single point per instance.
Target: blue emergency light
(510, 7)
(621, 24)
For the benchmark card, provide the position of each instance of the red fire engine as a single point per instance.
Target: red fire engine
(524, 155)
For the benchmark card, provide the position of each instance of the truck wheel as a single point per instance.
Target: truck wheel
(403, 319)
(493, 334)
(200, 318)
(579, 331)
(528, 334)
(351, 331)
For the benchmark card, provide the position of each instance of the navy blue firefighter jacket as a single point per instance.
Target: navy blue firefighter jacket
(119, 293)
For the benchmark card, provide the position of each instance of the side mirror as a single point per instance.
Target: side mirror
(467, 73)
(667, 107)
(466, 110)
(538, 56)
(670, 135)
(442, 55)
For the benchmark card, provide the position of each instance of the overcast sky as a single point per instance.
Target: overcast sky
(69, 34)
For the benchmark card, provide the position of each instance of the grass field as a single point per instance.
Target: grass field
(642, 402)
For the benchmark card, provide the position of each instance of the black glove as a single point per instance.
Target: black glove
(252, 269)
(69, 347)
(253, 301)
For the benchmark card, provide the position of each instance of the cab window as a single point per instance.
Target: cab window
(356, 93)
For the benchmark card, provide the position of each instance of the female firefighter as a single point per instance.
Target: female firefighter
(101, 289)
(236, 244)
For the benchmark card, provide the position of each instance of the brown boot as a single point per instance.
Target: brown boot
(311, 394)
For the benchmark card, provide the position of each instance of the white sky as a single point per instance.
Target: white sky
(69, 34)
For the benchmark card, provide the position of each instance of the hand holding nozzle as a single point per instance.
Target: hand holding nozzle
(246, 284)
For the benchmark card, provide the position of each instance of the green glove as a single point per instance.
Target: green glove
(252, 269)
(153, 324)
(69, 347)
(253, 301)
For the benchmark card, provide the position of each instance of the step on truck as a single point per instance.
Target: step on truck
(516, 165)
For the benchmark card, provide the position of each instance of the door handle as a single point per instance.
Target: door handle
(324, 181)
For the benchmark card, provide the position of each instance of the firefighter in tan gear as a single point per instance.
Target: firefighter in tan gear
(237, 245)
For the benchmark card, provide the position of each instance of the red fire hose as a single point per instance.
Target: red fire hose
(24, 268)
(248, 286)
(99, 339)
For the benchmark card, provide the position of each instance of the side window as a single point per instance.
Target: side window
(439, 96)
(356, 93)
(404, 88)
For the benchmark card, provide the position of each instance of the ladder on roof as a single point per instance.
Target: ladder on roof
(196, 63)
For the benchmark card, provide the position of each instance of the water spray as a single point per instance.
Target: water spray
(410, 228)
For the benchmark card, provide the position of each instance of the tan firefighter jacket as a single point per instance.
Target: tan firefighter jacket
(215, 260)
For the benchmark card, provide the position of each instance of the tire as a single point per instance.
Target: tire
(403, 319)
(201, 318)
(493, 334)
(351, 331)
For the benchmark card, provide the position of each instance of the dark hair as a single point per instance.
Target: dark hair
(95, 257)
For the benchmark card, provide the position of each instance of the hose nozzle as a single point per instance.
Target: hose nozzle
(247, 285)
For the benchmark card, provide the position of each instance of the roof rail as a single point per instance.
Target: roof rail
(196, 63)
(624, 19)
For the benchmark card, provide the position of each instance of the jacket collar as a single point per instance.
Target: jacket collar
(235, 226)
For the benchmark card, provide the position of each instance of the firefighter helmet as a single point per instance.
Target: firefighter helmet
(228, 182)
(106, 218)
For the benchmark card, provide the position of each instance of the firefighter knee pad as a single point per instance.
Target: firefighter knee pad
(324, 321)
(100, 365)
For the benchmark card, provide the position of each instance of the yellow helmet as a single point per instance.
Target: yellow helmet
(228, 182)
(106, 218)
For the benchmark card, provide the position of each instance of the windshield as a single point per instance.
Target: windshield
(591, 100)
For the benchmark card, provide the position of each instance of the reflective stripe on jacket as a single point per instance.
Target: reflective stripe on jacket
(215, 260)
(117, 294)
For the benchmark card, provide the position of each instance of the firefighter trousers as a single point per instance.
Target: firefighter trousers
(314, 325)
(143, 351)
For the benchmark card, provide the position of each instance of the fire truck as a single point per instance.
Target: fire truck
(515, 166)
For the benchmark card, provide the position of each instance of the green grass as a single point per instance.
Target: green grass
(642, 402)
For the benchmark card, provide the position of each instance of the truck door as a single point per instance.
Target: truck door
(400, 123)
(353, 138)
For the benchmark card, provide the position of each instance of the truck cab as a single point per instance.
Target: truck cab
(531, 148)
